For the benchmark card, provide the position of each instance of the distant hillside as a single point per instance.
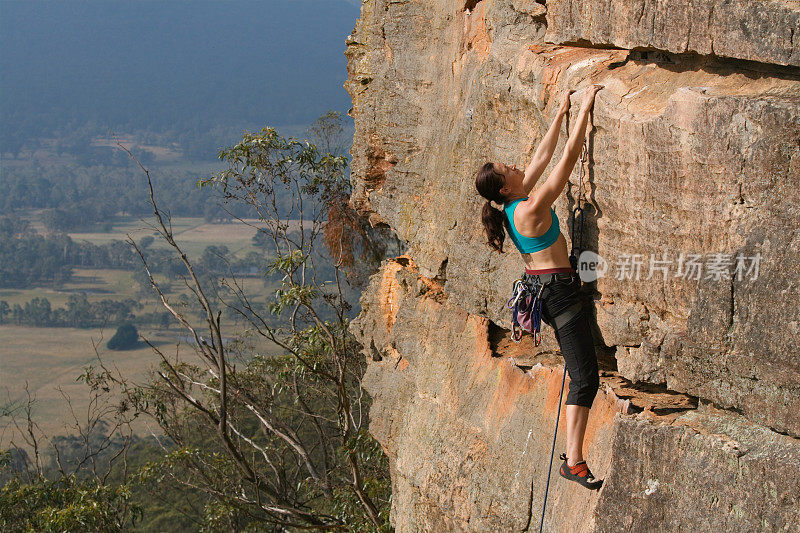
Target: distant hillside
(161, 66)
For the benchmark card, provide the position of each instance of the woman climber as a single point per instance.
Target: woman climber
(532, 225)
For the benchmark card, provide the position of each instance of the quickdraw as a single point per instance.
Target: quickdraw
(526, 303)
(576, 235)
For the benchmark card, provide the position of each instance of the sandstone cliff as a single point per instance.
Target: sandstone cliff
(693, 148)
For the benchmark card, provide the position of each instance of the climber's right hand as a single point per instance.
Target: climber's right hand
(588, 97)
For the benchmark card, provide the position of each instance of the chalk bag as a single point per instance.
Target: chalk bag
(526, 306)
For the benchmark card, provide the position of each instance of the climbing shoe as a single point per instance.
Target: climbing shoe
(580, 473)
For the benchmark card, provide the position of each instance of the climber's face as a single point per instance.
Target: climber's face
(512, 177)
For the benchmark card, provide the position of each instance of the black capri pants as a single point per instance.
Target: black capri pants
(574, 336)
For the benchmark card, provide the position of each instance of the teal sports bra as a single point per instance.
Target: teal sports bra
(525, 244)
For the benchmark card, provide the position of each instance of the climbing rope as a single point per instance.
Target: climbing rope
(552, 450)
(576, 235)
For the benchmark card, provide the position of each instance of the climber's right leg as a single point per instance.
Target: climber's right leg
(562, 310)
(577, 416)
(577, 347)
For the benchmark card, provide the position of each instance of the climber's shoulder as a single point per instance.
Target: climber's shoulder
(529, 213)
(536, 203)
(524, 207)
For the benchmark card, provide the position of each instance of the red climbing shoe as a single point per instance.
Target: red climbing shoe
(580, 473)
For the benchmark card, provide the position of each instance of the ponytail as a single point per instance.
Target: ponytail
(489, 183)
(493, 222)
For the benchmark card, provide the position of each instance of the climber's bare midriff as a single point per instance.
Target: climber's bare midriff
(554, 256)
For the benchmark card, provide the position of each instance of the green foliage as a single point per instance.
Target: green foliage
(66, 505)
(81, 498)
(78, 313)
(376, 484)
(218, 471)
(265, 163)
(125, 338)
(77, 197)
(293, 449)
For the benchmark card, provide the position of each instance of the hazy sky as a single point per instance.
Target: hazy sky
(151, 64)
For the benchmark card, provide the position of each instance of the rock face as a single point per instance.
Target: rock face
(466, 417)
(763, 31)
(693, 164)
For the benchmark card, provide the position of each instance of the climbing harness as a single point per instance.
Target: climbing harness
(526, 306)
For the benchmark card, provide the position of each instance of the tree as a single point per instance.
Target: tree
(215, 258)
(125, 338)
(79, 310)
(291, 446)
(66, 486)
(5, 309)
(146, 241)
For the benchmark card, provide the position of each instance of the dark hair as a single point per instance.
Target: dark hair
(488, 182)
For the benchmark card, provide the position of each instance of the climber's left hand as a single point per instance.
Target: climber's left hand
(564, 108)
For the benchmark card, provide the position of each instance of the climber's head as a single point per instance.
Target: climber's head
(489, 183)
(512, 180)
(496, 182)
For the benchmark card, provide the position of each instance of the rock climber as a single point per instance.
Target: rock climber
(532, 224)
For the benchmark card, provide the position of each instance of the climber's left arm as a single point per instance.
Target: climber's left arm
(546, 147)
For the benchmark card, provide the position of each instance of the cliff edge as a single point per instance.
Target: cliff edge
(693, 170)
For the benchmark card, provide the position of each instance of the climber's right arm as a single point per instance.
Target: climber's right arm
(550, 189)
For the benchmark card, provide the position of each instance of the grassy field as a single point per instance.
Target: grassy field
(107, 284)
(192, 234)
(49, 360)
(98, 284)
